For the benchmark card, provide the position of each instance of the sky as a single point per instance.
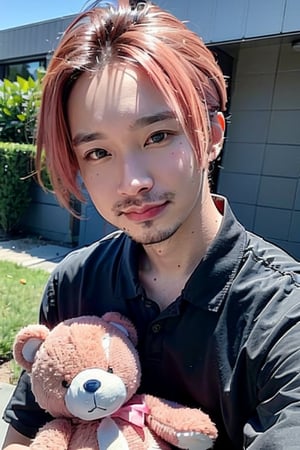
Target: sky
(14, 13)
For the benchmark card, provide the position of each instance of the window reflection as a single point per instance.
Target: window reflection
(24, 69)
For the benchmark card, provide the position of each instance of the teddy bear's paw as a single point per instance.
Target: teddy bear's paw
(192, 440)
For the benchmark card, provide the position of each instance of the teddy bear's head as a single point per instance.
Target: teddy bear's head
(85, 367)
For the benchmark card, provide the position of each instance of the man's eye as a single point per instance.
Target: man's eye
(157, 137)
(96, 154)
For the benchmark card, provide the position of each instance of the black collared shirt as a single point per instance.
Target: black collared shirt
(230, 343)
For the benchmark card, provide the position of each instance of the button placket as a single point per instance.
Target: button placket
(156, 327)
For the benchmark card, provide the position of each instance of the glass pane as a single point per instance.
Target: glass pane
(24, 69)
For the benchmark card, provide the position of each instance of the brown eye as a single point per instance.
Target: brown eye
(65, 384)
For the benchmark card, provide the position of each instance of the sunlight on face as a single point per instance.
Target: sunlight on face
(133, 156)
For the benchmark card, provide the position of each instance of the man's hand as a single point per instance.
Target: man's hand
(15, 440)
(194, 441)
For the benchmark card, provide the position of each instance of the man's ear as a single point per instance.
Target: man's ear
(217, 132)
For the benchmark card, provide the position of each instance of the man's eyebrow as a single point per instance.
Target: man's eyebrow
(83, 138)
(149, 120)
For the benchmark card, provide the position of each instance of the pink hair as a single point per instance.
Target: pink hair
(182, 68)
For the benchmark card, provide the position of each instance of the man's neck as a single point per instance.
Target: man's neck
(165, 267)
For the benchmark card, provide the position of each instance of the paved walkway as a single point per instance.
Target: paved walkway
(5, 393)
(34, 254)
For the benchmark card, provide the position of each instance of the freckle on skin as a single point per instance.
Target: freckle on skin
(154, 279)
(179, 265)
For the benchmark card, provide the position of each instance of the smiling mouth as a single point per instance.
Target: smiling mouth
(148, 212)
(144, 207)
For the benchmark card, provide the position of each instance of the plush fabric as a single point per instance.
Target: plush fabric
(85, 372)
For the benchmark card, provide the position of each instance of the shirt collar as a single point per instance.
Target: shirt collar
(212, 278)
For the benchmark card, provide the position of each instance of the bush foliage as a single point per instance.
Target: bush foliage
(15, 168)
(19, 105)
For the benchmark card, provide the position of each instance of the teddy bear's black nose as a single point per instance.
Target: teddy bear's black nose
(91, 385)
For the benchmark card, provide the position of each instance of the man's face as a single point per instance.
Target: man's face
(133, 156)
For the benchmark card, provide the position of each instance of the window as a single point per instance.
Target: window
(23, 69)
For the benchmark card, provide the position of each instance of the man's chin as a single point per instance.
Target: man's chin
(152, 237)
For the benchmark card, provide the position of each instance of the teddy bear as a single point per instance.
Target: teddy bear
(86, 372)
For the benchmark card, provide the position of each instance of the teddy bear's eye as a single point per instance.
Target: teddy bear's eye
(110, 370)
(65, 384)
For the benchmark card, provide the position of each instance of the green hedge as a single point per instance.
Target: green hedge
(16, 166)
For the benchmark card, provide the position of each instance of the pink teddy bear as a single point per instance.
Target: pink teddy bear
(85, 373)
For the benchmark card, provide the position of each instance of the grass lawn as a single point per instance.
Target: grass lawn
(20, 295)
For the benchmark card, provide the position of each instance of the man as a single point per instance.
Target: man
(132, 102)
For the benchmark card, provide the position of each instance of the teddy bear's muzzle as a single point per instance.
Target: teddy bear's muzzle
(94, 394)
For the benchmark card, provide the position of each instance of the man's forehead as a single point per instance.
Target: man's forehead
(118, 88)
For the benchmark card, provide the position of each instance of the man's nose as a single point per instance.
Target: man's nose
(135, 176)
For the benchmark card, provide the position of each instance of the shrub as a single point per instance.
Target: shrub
(19, 104)
(15, 169)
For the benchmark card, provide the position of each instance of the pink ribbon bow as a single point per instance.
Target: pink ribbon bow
(133, 411)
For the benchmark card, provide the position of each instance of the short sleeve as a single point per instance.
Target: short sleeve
(22, 411)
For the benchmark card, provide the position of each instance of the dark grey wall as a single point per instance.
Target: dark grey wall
(214, 20)
(261, 160)
(219, 20)
(47, 219)
(34, 39)
(92, 225)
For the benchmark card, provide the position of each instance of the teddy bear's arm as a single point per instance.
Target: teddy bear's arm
(183, 427)
(53, 436)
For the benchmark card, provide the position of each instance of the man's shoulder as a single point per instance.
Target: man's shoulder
(100, 269)
(108, 248)
(271, 255)
(267, 271)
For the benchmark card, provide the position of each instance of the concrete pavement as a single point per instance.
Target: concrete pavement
(33, 253)
(5, 393)
(36, 254)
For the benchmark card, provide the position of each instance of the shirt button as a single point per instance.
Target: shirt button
(156, 328)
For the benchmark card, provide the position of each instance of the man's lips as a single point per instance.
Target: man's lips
(147, 212)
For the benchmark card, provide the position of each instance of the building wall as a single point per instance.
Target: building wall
(92, 226)
(231, 20)
(31, 40)
(261, 161)
(46, 218)
(214, 20)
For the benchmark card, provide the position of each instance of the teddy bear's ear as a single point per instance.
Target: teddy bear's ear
(123, 324)
(27, 343)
